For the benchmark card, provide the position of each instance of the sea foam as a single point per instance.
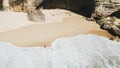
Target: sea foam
(82, 51)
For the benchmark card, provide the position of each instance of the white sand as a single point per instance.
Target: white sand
(56, 15)
(62, 24)
(12, 20)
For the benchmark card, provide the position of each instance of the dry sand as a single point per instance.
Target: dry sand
(12, 20)
(44, 34)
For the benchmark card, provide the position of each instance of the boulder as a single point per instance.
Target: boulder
(36, 16)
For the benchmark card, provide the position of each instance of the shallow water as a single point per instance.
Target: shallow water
(83, 51)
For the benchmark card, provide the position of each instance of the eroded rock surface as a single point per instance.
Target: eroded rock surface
(21, 4)
(106, 14)
(36, 16)
(105, 8)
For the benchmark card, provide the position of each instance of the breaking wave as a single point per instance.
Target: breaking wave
(83, 51)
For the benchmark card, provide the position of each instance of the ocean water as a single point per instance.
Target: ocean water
(82, 51)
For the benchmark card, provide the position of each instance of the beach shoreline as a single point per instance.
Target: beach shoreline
(36, 35)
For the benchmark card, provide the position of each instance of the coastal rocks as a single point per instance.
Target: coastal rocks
(33, 4)
(20, 5)
(36, 16)
(105, 8)
(111, 24)
(106, 14)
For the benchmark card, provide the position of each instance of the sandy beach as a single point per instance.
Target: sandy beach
(48, 34)
(43, 34)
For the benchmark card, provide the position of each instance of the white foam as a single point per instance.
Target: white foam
(83, 51)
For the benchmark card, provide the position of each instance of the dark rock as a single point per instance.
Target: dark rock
(84, 7)
(115, 30)
(1, 4)
(110, 24)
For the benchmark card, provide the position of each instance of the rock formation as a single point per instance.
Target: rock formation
(106, 14)
(36, 16)
(84, 7)
(105, 8)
